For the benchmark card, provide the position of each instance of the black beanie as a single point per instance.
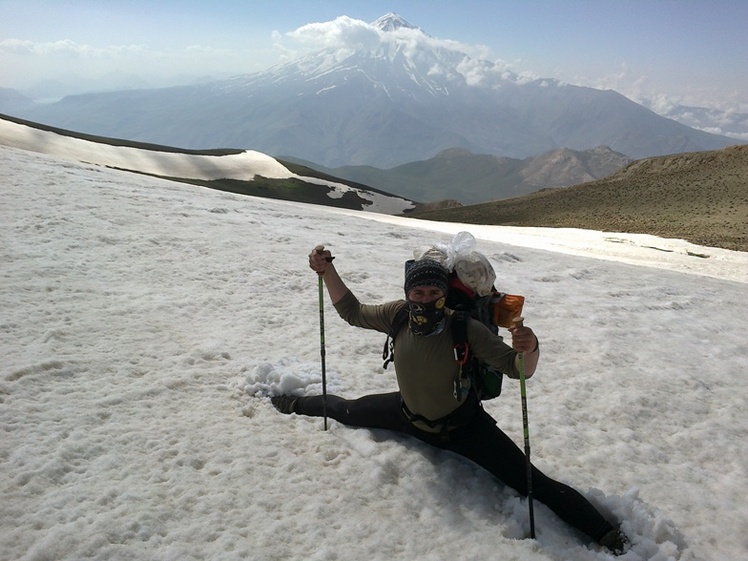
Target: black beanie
(425, 272)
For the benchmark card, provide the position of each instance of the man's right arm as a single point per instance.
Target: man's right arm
(368, 316)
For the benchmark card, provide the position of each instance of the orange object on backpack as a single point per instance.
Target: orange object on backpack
(506, 307)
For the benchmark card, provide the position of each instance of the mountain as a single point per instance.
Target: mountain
(13, 101)
(397, 96)
(238, 171)
(474, 178)
(701, 197)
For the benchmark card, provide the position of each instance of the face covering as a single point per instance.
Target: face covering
(426, 319)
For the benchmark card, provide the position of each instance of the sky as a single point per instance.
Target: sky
(669, 51)
(146, 323)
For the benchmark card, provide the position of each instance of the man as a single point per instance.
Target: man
(427, 405)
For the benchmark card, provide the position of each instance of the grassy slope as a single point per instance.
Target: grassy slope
(291, 189)
(701, 197)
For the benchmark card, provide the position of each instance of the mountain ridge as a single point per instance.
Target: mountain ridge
(457, 173)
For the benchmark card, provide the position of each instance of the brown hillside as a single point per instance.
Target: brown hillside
(701, 197)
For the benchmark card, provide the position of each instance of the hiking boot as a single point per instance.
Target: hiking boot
(615, 541)
(285, 403)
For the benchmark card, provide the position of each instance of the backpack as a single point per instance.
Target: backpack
(494, 310)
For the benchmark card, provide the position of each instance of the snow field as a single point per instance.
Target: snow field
(146, 323)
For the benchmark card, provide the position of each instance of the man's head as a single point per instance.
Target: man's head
(426, 285)
(426, 276)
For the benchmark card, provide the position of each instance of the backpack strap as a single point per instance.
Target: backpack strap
(388, 352)
(461, 346)
(475, 376)
(459, 336)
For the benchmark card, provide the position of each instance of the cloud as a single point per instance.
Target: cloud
(658, 95)
(26, 63)
(30, 48)
(351, 34)
(345, 35)
(18, 47)
(66, 48)
(343, 32)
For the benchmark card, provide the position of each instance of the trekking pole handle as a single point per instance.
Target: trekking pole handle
(320, 249)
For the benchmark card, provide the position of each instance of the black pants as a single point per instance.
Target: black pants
(480, 440)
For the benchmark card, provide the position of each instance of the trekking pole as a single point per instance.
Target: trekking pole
(319, 249)
(518, 322)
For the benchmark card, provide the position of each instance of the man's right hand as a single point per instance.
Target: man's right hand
(319, 259)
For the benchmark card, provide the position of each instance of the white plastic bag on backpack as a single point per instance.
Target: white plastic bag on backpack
(439, 252)
(472, 267)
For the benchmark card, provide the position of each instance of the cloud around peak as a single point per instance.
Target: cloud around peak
(389, 34)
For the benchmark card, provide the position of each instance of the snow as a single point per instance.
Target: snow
(146, 322)
(244, 166)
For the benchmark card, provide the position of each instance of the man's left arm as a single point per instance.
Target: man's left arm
(493, 350)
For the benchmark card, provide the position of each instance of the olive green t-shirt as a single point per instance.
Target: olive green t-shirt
(425, 366)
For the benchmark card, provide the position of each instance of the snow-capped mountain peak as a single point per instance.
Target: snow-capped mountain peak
(392, 22)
